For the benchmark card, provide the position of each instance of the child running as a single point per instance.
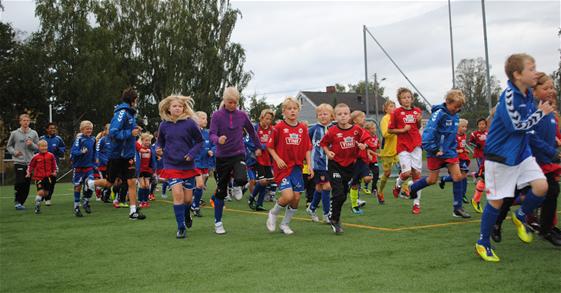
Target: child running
(42, 169)
(289, 146)
(263, 167)
(82, 155)
(202, 162)
(179, 139)
(146, 164)
(388, 153)
(477, 139)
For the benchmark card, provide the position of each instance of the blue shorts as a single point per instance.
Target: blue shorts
(80, 176)
(251, 173)
(360, 170)
(295, 181)
(188, 183)
(464, 165)
(321, 176)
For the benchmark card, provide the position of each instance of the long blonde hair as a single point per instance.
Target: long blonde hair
(187, 102)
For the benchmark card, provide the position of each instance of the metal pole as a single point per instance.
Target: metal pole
(366, 73)
(376, 96)
(451, 45)
(50, 111)
(486, 56)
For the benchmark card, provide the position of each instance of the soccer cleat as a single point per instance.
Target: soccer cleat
(116, 204)
(441, 183)
(476, 206)
(407, 194)
(366, 191)
(219, 228)
(486, 253)
(188, 220)
(396, 190)
(251, 202)
(197, 212)
(460, 213)
(20, 207)
(77, 212)
(37, 209)
(151, 197)
(552, 238)
(122, 205)
(137, 216)
(533, 224)
(380, 197)
(260, 209)
(87, 207)
(271, 222)
(336, 227)
(361, 203)
(326, 219)
(285, 229)
(237, 193)
(125, 204)
(181, 234)
(416, 209)
(524, 233)
(313, 215)
(357, 211)
(48, 202)
(496, 233)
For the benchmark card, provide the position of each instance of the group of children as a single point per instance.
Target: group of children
(338, 154)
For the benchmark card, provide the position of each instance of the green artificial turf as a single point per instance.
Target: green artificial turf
(106, 252)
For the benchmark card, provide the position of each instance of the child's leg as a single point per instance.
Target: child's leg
(479, 189)
(77, 191)
(178, 204)
(549, 204)
(375, 176)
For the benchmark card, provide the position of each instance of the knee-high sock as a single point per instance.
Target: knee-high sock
(288, 215)
(197, 194)
(261, 196)
(218, 209)
(446, 178)
(326, 201)
(531, 202)
(464, 186)
(457, 188)
(479, 189)
(354, 197)
(179, 210)
(383, 181)
(256, 190)
(315, 200)
(164, 187)
(277, 208)
(76, 199)
(488, 219)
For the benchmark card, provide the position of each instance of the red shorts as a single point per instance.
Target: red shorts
(203, 171)
(172, 174)
(438, 163)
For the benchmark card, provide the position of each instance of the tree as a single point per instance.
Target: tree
(556, 76)
(471, 79)
(256, 105)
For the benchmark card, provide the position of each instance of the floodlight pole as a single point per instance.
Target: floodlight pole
(451, 45)
(366, 74)
(488, 89)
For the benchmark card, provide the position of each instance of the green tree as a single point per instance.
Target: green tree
(256, 105)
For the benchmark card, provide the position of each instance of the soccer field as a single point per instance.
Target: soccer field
(385, 250)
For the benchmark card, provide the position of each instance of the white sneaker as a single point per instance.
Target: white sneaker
(219, 228)
(237, 192)
(48, 202)
(228, 198)
(286, 230)
(271, 222)
(326, 219)
(312, 214)
(361, 203)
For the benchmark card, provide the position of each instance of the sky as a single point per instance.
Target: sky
(293, 46)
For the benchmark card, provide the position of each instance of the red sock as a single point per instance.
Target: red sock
(479, 188)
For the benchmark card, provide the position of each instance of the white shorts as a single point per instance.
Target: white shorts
(502, 180)
(411, 160)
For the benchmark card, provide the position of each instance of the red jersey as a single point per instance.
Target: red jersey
(343, 142)
(363, 154)
(291, 144)
(145, 155)
(42, 165)
(264, 135)
(478, 138)
(461, 147)
(411, 139)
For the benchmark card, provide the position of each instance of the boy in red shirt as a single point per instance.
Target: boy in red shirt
(341, 144)
(146, 163)
(477, 139)
(405, 123)
(289, 146)
(263, 167)
(42, 166)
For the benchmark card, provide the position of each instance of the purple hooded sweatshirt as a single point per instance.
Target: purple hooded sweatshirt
(178, 140)
(231, 124)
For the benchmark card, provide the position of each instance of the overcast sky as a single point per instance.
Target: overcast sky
(293, 45)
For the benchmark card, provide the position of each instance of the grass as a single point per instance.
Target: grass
(386, 250)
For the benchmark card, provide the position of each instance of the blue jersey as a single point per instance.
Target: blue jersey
(542, 141)
(203, 160)
(82, 153)
(508, 141)
(250, 159)
(102, 151)
(120, 132)
(159, 160)
(56, 145)
(319, 159)
(440, 133)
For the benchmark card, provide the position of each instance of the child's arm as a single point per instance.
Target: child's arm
(280, 163)
(196, 135)
(512, 120)
(325, 142)
(61, 148)
(538, 144)
(54, 166)
(76, 149)
(31, 166)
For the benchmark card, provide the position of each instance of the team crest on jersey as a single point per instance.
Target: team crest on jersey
(449, 122)
(339, 135)
(265, 138)
(348, 142)
(285, 130)
(356, 132)
(409, 118)
(293, 139)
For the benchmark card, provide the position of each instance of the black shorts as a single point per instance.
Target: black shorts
(121, 168)
(145, 175)
(360, 170)
(321, 176)
(44, 184)
(263, 172)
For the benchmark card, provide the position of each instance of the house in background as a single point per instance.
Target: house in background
(310, 100)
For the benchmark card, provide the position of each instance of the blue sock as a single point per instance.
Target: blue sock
(315, 200)
(419, 184)
(488, 219)
(256, 190)
(145, 192)
(76, 196)
(530, 203)
(457, 188)
(464, 186)
(179, 210)
(218, 208)
(197, 194)
(326, 201)
(164, 187)
(261, 196)
(446, 178)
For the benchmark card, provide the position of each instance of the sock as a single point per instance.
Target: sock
(488, 219)
(365, 185)
(479, 189)
(354, 197)
(198, 194)
(164, 187)
(530, 203)
(315, 200)
(256, 190)
(446, 178)
(419, 184)
(38, 200)
(132, 209)
(398, 181)
(261, 196)
(218, 209)
(179, 210)
(383, 182)
(464, 186)
(76, 199)
(457, 188)
(187, 207)
(326, 201)
(288, 215)
(277, 209)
